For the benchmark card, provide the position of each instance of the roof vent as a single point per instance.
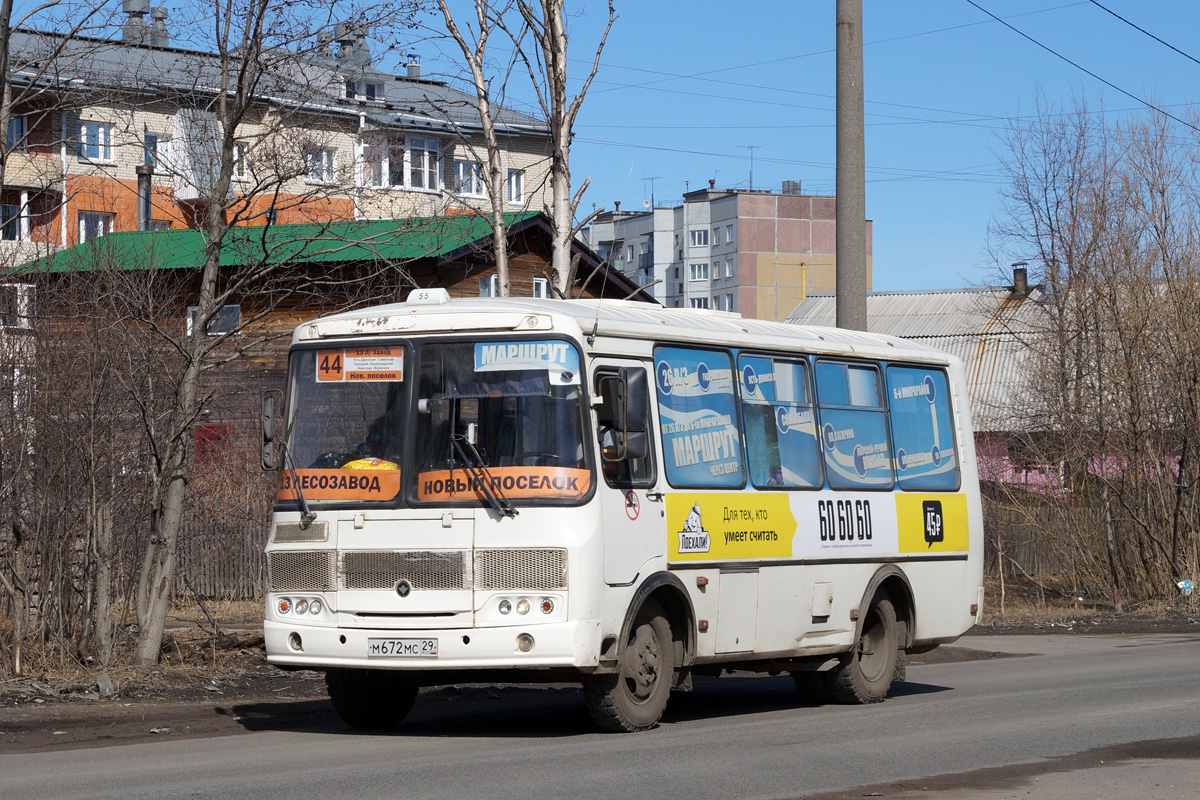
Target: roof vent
(135, 30)
(159, 36)
(414, 66)
(792, 187)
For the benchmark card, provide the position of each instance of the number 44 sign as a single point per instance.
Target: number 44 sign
(360, 364)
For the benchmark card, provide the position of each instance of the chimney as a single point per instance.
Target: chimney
(159, 37)
(712, 184)
(135, 31)
(616, 206)
(1021, 281)
(414, 67)
(144, 173)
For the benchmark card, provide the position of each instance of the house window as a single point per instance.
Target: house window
(729, 302)
(698, 272)
(699, 238)
(676, 275)
(351, 90)
(95, 141)
(516, 186)
(630, 253)
(716, 240)
(424, 163)
(541, 288)
(160, 225)
(10, 223)
(468, 178)
(150, 141)
(677, 240)
(16, 139)
(241, 171)
(93, 225)
(489, 286)
(16, 305)
(271, 217)
(729, 234)
(729, 268)
(374, 91)
(321, 163)
(226, 320)
(699, 302)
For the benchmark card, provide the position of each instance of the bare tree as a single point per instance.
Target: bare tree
(546, 22)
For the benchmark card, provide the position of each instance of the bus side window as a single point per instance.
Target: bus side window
(626, 471)
(779, 423)
(854, 431)
(922, 429)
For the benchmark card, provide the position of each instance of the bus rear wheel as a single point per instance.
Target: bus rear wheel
(370, 699)
(865, 674)
(634, 698)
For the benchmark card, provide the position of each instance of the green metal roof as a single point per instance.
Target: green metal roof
(360, 240)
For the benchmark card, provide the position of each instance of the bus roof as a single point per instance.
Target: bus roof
(610, 318)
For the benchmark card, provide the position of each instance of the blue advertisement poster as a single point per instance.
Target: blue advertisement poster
(698, 413)
(922, 429)
(781, 431)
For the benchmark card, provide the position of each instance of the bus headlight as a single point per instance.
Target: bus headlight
(301, 605)
(314, 607)
(505, 607)
(522, 606)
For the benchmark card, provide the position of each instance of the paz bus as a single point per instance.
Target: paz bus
(615, 494)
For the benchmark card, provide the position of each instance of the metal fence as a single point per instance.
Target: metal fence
(221, 551)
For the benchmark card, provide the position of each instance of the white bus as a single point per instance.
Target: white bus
(617, 494)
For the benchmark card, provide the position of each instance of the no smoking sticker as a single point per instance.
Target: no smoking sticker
(633, 506)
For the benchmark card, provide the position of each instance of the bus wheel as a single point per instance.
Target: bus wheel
(633, 698)
(370, 699)
(865, 674)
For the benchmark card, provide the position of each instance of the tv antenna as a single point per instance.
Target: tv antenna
(751, 148)
(651, 179)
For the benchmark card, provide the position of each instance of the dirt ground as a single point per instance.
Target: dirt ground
(213, 686)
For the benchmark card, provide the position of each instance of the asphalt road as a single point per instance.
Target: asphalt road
(1035, 726)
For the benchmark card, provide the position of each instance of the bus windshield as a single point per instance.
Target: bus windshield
(347, 420)
(507, 413)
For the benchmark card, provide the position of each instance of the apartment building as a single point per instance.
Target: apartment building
(121, 134)
(755, 252)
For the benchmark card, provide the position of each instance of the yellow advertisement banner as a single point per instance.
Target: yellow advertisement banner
(932, 523)
(724, 527)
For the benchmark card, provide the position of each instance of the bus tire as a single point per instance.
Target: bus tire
(865, 674)
(370, 699)
(635, 696)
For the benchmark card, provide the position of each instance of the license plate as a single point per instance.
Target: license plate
(402, 648)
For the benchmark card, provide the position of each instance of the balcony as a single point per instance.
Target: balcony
(33, 171)
(645, 260)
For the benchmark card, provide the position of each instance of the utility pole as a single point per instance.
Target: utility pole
(851, 171)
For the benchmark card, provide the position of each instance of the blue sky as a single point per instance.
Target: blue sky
(686, 88)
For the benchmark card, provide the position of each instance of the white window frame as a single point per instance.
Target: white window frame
(541, 288)
(698, 271)
(716, 236)
(373, 88)
(729, 302)
(468, 178)
(699, 237)
(17, 223)
(489, 286)
(699, 302)
(105, 218)
(213, 329)
(729, 233)
(415, 146)
(629, 250)
(241, 161)
(320, 165)
(515, 187)
(103, 141)
(729, 268)
(22, 318)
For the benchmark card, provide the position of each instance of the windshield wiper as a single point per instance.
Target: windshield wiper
(488, 485)
(306, 514)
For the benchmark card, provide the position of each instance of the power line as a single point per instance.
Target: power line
(1084, 70)
(1143, 30)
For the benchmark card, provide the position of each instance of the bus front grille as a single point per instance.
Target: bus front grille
(301, 570)
(520, 569)
(383, 569)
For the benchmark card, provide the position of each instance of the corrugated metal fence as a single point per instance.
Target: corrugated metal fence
(221, 551)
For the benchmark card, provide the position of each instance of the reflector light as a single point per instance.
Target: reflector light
(285, 605)
(547, 605)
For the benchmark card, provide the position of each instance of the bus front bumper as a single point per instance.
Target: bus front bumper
(565, 644)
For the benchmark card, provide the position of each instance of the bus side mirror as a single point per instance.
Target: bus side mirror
(636, 405)
(272, 400)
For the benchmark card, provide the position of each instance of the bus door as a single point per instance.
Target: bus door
(631, 506)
